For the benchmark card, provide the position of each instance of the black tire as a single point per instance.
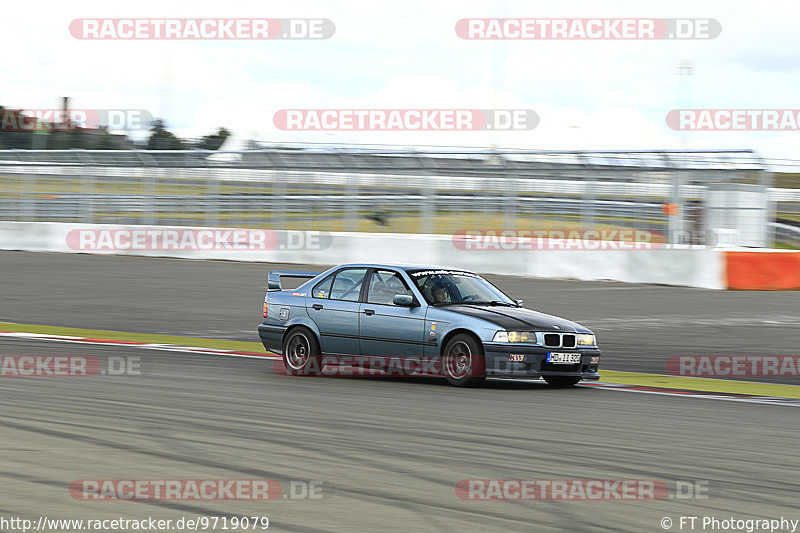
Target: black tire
(562, 381)
(463, 364)
(301, 353)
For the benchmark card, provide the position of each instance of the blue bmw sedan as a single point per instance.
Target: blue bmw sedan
(422, 321)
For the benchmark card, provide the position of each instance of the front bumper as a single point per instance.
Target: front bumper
(534, 361)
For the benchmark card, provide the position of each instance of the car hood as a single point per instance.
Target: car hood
(517, 318)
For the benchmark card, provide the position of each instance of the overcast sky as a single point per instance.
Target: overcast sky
(588, 94)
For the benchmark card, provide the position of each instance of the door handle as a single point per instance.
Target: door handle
(369, 311)
(317, 306)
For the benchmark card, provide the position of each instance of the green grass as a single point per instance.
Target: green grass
(610, 376)
(199, 342)
(787, 180)
(701, 384)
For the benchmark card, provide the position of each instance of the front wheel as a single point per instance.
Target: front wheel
(301, 353)
(463, 364)
(562, 381)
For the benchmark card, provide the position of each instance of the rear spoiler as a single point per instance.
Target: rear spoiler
(274, 278)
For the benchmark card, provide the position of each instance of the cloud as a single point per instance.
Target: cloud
(589, 95)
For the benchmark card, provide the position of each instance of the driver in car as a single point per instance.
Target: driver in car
(440, 294)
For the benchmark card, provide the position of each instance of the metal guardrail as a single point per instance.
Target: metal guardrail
(334, 158)
(787, 234)
(372, 188)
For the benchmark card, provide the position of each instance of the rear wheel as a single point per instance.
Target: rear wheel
(301, 353)
(562, 381)
(463, 364)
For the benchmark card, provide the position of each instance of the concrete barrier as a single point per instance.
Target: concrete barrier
(684, 266)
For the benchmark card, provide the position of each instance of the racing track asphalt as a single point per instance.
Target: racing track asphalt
(389, 452)
(638, 326)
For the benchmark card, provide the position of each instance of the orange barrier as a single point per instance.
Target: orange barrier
(763, 270)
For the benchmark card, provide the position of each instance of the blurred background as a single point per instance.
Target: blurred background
(210, 154)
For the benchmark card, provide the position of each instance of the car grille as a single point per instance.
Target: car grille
(559, 340)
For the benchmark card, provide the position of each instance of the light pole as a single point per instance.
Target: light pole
(676, 212)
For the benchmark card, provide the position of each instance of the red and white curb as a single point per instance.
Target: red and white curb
(257, 355)
(135, 344)
(730, 396)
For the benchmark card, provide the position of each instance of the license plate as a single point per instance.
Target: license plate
(559, 358)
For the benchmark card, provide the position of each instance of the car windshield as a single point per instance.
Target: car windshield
(443, 287)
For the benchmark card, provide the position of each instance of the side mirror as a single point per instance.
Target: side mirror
(518, 302)
(404, 300)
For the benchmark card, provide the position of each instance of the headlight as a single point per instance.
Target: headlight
(586, 339)
(515, 336)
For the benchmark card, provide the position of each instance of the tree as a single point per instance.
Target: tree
(161, 138)
(215, 140)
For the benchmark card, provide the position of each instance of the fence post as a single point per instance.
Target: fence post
(589, 198)
(149, 189)
(212, 217)
(279, 200)
(352, 192)
(28, 198)
(88, 191)
(426, 223)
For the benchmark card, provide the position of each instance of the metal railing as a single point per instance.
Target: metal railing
(374, 189)
(787, 234)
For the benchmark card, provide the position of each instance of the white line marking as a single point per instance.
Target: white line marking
(790, 402)
(146, 346)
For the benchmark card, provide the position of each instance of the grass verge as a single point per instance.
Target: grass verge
(219, 344)
(701, 384)
(611, 376)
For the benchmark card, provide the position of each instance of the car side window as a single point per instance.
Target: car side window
(323, 288)
(347, 284)
(383, 285)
